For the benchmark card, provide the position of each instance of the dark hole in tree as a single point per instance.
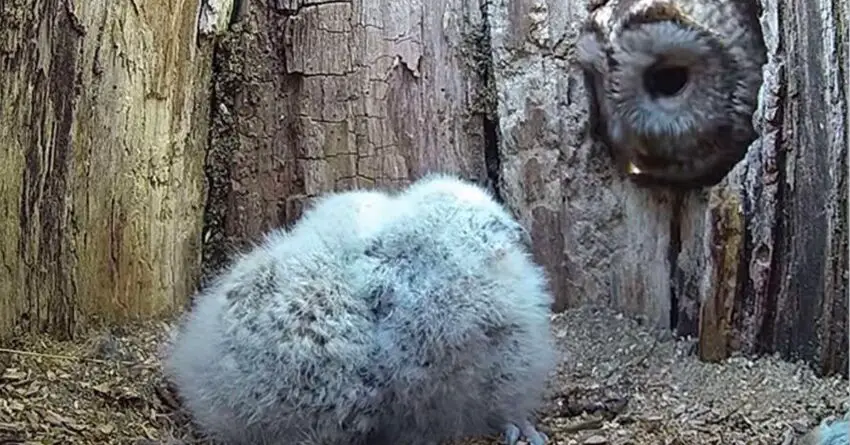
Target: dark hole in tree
(665, 81)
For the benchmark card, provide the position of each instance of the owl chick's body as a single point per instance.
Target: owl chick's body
(344, 221)
(354, 328)
(274, 351)
(674, 85)
(480, 367)
(834, 433)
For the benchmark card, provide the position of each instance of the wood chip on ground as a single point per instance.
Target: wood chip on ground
(617, 385)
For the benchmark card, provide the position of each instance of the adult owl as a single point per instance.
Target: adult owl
(673, 85)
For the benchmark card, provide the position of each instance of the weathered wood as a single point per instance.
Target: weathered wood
(796, 189)
(724, 235)
(757, 263)
(104, 128)
(320, 96)
(105, 110)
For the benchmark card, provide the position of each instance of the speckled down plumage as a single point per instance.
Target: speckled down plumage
(829, 433)
(377, 319)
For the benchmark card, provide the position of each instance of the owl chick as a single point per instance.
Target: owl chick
(835, 433)
(343, 221)
(463, 318)
(275, 350)
(426, 323)
(673, 85)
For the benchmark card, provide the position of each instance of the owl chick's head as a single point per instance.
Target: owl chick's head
(444, 213)
(463, 205)
(666, 90)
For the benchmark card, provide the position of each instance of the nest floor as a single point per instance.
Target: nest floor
(617, 384)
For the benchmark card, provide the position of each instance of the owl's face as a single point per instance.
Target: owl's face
(666, 84)
(664, 94)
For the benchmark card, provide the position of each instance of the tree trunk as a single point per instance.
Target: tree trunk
(106, 118)
(757, 263)
(319, 96)
(104, 128)
(316, 97)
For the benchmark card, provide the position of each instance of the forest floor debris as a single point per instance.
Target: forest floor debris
(617, 385)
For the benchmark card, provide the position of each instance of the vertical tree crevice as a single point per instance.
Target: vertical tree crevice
(222, 141)
(673, 251)
(490, 116)
(235, 14)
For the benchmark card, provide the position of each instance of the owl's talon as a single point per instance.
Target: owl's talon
(513, 432)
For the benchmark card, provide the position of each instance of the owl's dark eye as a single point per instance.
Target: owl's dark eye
(665, 81)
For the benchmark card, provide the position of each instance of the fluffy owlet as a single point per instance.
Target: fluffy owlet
(828, 433)
(673, 85)
(376, 319)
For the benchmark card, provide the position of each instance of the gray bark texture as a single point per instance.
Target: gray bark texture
(757, 263)
(319, 96)
(107, 119)
(314, 97)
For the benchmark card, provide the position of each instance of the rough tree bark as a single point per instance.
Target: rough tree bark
(757, 263)
(105, 116)
(104, 131)
(317, 96)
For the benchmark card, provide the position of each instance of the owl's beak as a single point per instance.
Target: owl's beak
(632, 169)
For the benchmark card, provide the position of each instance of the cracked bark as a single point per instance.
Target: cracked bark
(104, 111)
(329, 95)
(106, 135)
(758, 263)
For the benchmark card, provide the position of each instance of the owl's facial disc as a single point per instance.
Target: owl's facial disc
(665, 80)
